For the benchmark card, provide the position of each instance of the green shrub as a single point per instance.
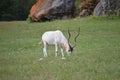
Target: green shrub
(28, 19)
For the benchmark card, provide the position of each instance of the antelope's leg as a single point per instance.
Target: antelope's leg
(56, 50)
(45, 49)
(62, 54)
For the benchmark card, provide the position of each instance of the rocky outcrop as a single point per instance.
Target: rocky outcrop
(87, 7)
(106, 7)
(52, 9)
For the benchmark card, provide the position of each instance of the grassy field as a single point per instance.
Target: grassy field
(96, 56)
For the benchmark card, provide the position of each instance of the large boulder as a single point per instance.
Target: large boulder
(105, 7)
(52, 9)
(87, 7)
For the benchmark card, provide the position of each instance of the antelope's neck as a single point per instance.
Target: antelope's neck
(64, 45)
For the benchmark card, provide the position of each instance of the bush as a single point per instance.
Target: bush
(28, 19)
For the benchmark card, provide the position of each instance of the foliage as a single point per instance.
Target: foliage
(96, 56)
(77, 2)
(15, 9)
(28, 19)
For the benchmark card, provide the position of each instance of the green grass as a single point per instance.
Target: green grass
(96, 56)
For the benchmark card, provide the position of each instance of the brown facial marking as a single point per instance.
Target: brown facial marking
(70, 49)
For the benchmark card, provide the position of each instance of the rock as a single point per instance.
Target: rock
(105, 7)
(52, 9)
(87, 7)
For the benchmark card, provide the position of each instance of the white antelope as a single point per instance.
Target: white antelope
(58, 39)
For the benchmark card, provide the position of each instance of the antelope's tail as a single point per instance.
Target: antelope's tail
(40, 42)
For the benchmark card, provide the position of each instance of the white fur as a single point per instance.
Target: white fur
(55, 38)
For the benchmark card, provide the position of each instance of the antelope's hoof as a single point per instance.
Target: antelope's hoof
(40, 59)
(63, 58)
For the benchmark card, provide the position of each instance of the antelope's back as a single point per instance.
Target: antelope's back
(52, 37)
